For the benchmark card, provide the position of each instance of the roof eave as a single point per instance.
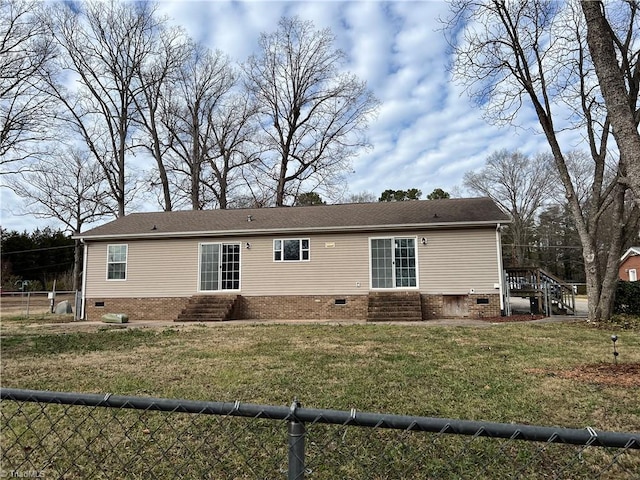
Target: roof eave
(289, 231)
(629, 252)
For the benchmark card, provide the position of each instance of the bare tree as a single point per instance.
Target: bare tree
(362, 197)
(72, 194)
(314, 116)
(520, 185)
(102, 47)
(511, 54)
(190, 115)
(617, 65)
(25, 53)
(234, 129)
(155, 77)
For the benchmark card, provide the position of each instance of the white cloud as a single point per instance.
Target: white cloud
(427, 133)
(371, 34)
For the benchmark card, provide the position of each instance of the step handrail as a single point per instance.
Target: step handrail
(538, 280)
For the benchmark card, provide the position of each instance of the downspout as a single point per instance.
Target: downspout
(84, 277)
(500, 268)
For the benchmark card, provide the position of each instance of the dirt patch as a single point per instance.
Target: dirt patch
(513, 318)
(620, 375)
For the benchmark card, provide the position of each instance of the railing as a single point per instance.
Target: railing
(73, 435)
(551, 294)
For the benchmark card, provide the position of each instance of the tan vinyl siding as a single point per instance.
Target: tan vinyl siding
(456, 261)
(453, 261)
(167, 268)
(331, 270)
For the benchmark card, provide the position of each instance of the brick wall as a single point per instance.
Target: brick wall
(433, 306)
(282, 307)
(484, 310)
(303, 308)
(148, 309)
(632, 261)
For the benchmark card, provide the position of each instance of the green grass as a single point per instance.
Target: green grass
(504, 373)
(33, 346)
(38, 318)
(623, 321)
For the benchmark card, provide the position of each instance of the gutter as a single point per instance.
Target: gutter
(500, 267)
(85, 253)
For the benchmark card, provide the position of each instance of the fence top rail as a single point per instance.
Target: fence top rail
(39, 293)
(536, 433)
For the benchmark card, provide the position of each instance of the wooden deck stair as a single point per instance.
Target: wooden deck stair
(208, 308)
(548, 294)
(394, 306)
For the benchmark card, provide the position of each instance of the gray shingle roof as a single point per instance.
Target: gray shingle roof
(283, 220)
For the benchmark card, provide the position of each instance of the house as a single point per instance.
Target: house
(413, 260)
(630, 265)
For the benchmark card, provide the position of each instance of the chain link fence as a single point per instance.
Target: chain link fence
(28, 304)
(80, 436)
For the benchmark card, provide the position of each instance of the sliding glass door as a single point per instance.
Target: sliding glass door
(219, 266)
(393, 262)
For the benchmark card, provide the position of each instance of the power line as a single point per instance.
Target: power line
(43, 268)
(540, 246)
(38, 249)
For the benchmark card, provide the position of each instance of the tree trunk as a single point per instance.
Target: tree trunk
(222, 197)
(593, 283)
(281, 183)
(77, 265)
(585, 232)
(603, 278)
(157, 153)
(620, 105)
(164, 180)
(195, 187)
(120, 187)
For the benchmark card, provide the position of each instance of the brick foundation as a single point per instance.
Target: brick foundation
(304, 308)
(433, 306)
(148, 309)
(289, 307)
(484, 310)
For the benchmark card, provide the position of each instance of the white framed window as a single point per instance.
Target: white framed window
(291, 250)
(117, 262)
(633, 275)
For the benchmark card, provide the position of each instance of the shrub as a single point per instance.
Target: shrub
(627, 298)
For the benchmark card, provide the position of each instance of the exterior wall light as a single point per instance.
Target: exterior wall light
(248, 246)
(423, 241)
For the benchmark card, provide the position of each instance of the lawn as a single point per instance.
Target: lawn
(547, 374)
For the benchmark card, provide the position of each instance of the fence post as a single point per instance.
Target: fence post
(296, 432)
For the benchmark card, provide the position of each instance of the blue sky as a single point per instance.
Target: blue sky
(428, 132)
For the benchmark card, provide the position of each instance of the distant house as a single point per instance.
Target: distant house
(412, 260)
(630, 265)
